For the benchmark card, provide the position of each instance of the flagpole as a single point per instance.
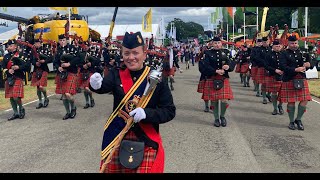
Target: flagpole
(227, 35)
(232, 25)
(69, 24)
(306, 27)
(244, 27)
(257, 19)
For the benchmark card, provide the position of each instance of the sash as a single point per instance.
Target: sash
(116, 123)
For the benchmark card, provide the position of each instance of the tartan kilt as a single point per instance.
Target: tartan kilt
(170, 72)
(244, 68)
(201, 86)
(289, 94)
(57, 79)
(39, 82)
(209, 93)
(272, 85)
(83, 83)
(16, 90)
(261, 75)
(238, 68)
(67, 86)
(254, 71)
(114, 165)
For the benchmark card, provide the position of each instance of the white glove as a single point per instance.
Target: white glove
(138, 114)
(96, 81)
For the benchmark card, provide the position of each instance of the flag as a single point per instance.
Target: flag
(67, 27)
(147, 21)
(174, 34)
(59, 8)
(213, 18)
(4, 9)
(230, 11)
(196, 41)
(294, 22)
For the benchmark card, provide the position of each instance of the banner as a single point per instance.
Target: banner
(147, 21)
(59, 8)
(294, 21)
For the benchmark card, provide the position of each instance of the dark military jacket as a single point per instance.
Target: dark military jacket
(21, 60)
(160, 108)
(44, 53)
(272, 62)
(214, 60)
(253, 56)
(86, 57)
(242, 55)
(290, 60)
(66, 54)
(260, 55)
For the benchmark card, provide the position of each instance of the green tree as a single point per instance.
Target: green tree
(185, 29)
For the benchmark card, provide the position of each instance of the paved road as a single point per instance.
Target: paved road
(253, 141)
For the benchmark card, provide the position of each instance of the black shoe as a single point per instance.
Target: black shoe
(292, 126)
(275, 112)
(46, 102)
(92, 102)
(244, 85)
(258, 95)
(22, 113)
(67, 116)
(61, 97)
(299, 124)
(264, 101)
(206, 109)
(40, 105)
(86, 106)
(269, 98)
(280, 110)
(216, 123)
(14, 116)
(171, 88)
(223, 121)
(248, 85)
(73, 113)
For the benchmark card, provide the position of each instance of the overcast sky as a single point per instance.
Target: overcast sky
(125, 15)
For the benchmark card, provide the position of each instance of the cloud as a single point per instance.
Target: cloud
(125, 15)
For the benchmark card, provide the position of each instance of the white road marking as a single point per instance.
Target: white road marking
(316, 101)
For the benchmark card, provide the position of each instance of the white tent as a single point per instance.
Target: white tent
(8, 34)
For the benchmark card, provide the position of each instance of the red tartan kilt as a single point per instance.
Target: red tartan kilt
(56, 79)
(289, 94)
(238, 68)
(272, 85)
(114, 165)
(201, 86)
(244, 68)
(209, 93)
(170, 72)
(39, 82)
(84, 83)
(67, 86)
(261, 75)
(16, 90)
(254, 71)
